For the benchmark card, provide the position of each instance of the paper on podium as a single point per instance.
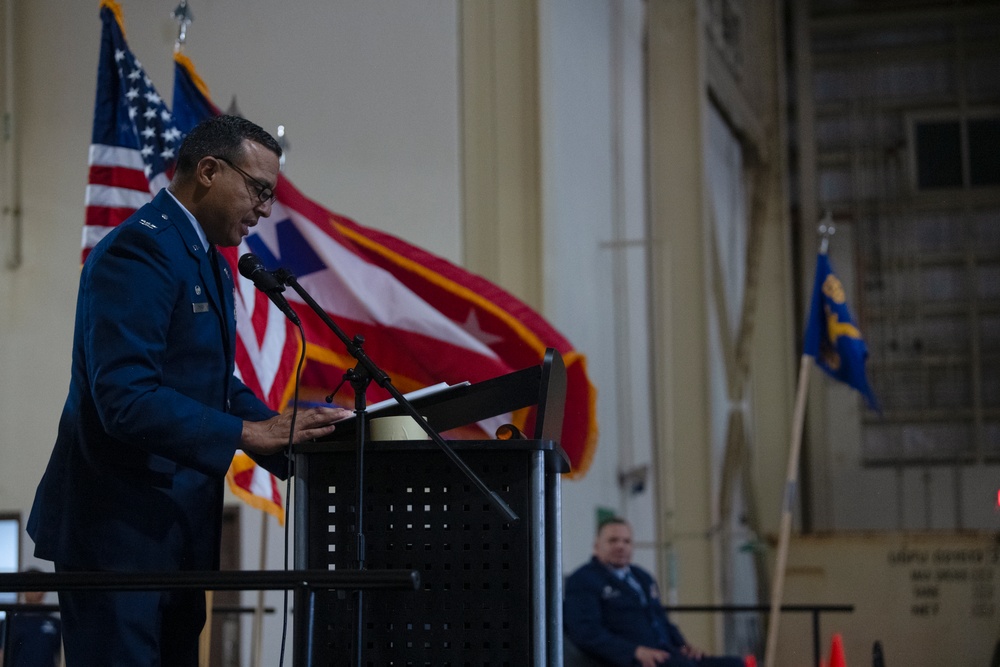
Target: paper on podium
(430, 390)
(417, 393)
(489, 425)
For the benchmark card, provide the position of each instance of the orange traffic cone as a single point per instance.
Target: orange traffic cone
(837, 652)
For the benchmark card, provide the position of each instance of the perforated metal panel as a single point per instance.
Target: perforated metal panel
(482, 599)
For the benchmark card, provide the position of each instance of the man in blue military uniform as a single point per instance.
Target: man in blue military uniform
(613, 612)
(155, 413)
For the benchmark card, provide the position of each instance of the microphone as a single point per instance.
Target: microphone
(253, 269)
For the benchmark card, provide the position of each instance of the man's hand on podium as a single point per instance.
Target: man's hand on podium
(271, 435)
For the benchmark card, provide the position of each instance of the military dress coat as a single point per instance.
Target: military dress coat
(154, 411)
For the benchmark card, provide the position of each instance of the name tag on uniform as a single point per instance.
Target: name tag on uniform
(201, 307)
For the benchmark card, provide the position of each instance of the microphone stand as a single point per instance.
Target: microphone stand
(364, 372)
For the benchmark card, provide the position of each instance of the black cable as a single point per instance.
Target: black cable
(288, 488)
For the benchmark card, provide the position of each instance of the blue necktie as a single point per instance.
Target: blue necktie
(634, 583)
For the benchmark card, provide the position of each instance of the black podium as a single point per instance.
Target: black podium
(490, 590)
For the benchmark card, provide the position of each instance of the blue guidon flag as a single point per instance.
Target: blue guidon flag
(832, 338)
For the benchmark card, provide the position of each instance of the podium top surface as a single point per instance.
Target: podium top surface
(542, 387)
(318, 447)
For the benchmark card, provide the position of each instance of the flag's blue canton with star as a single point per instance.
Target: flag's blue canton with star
(134, 141)
(141, 119)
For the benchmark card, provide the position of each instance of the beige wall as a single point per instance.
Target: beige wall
(723, 332)
(929, 599)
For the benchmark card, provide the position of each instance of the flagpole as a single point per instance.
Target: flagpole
(791, 479)
(826, 230)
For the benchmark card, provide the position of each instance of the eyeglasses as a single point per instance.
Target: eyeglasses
(264, 192)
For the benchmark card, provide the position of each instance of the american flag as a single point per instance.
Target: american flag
(134, 139)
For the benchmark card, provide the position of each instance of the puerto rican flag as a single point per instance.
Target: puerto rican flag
(424, 319)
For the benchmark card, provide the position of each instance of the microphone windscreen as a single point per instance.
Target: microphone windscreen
(249, 264)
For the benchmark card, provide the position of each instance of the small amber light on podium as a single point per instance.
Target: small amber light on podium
(509, 432)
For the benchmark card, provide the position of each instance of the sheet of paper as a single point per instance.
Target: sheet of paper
(413, 395)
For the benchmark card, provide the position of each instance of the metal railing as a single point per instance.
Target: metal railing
(814, 609)
(306, 581)
(229, 580)
(11, 609)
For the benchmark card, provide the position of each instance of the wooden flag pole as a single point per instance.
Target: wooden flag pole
(791, 480)
(826, 230)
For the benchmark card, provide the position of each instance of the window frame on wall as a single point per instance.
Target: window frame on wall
(967, 151)
(10, 551)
